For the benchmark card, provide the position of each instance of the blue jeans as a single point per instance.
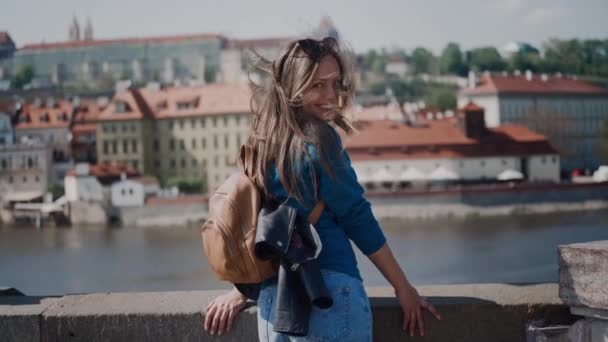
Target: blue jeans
(348, 319)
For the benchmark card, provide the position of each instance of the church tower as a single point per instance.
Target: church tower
(74, 31)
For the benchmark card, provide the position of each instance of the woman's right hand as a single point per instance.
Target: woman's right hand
(220, 313)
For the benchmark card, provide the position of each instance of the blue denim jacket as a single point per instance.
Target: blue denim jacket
(347, 215)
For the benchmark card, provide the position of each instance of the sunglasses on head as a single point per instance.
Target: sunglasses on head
(314, 49)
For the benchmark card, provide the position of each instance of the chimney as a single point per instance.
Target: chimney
(473, 123)
(544, 77)
(528, 75)
(516, 72)
(472, 80)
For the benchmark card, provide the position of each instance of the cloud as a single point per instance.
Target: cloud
(507, 6)
(543, 15)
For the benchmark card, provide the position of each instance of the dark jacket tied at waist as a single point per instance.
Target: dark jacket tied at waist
(282, 234)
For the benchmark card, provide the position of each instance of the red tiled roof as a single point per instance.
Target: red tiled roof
(5, 38)
(108, 170)
(34, 116)
(385, 139)
(260, 43)
(211, 99)
(138, 40)
(499, 84)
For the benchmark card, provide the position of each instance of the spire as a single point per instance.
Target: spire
(74, 31)
(88, 30)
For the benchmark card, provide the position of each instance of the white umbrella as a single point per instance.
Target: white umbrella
(382, 175)
(509, 174)
(601, 174)
(443, 174)
(411, 174)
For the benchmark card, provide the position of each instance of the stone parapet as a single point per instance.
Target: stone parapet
(475, 312)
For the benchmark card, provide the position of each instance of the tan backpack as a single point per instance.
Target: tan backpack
(229, 232)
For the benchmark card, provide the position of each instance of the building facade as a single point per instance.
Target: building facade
(568, 111)
(24, 171)
(461, 146)
(181, 132)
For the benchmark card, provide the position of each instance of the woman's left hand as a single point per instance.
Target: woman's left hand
(412, 305)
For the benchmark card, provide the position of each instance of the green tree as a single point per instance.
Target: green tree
(442, 98)
(451, 61)
(210, 74)
(486, 58)
(188, 185)
(422, 60)
(525, 61)
(24, 75)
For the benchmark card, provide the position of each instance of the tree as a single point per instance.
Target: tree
(442, 98)
(525, 61)
(451, 61)
(22, 77)
(210, 74)
(422, 60)
(486, 58)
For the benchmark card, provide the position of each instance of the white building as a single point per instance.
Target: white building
(24, 171)
(567, 111)
(127, 193)
(456, 148)
(81, 185)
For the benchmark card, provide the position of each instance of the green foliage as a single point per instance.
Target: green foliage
(422, 61)
(57, 190)
(188, 185)
(525, 61)
(210, 74)
(451, 61)
(486, 58)
(442, 98)
(22, 77)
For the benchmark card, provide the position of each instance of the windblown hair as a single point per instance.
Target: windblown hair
(281, 131)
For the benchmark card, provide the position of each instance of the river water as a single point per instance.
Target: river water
(515, 249)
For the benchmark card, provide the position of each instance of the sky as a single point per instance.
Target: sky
(363, 24)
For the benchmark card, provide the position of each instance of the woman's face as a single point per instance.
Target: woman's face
(321, 97)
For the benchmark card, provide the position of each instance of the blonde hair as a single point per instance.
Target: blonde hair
(280, 131)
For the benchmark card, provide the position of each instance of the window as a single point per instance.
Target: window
(125, 146)
(10, 179)
(214, 122)
(543, 160)
(24, 179)
(4, 164)
(172, 163)
(181, 124)
(170, 124)
(113, 128)
(204, 142)
(214, 141)
(193, 123)
(106, 147)
(114, 147)
(183, 163)
(133, 128)
(182, 145)
(504, 162)
(124, 127)
(37, 179)
(30, 163)
(215, 161)
(171, 144)
(238, 140)
(155, 145)
(482, 163)
(238, 120)
(194, 162)
(123, 192)
(136, 164)
(203, 122)
(193, 143)
(204, 162)
(553, 159)
(225, 121)
(157, 164)
(226, 141)
(130, 191)
(134, 146)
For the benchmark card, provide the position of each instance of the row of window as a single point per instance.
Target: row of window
(202, 122)
(115, 127)
(26, 163)
(565, 108)
(128, 146)
(461, 163)
(24, 179)
(183, 162)
(174, 144)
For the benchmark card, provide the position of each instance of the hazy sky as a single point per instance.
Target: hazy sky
(365, 24)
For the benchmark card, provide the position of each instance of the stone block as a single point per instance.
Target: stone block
(583, 274)
(20, 317)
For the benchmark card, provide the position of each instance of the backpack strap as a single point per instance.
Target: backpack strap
(314, 215)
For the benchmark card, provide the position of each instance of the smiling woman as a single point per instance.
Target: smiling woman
(298, 160)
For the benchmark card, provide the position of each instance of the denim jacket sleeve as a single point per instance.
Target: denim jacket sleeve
(343, 196)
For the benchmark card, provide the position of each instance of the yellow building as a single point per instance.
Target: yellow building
(183, 132)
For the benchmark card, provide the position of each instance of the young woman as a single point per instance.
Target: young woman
(300, 159)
